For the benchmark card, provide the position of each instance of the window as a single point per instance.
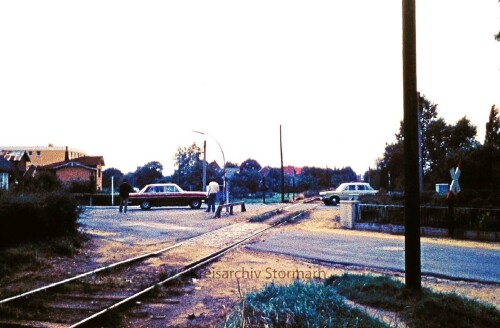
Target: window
(170, 189)
(361, 187)
(4, 181)
(38, 153)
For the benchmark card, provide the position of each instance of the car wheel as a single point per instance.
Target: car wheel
(334, 201)
(145, 205)
(195, 204)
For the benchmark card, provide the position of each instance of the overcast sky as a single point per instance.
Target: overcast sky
(131, 80)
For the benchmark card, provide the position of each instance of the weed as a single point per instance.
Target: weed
(299, 304)
(265, 216)
(426, 309)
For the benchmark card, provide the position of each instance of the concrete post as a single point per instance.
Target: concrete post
(349, 212)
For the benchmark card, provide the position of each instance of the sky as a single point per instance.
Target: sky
(132, 80)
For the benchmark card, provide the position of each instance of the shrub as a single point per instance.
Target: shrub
(41, 183)
(37, 216)
(300, 304)
(425, 309)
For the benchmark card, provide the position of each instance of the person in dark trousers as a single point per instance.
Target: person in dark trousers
(124, 191)
(212, 190)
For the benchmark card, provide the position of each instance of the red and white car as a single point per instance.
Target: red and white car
(166, 194)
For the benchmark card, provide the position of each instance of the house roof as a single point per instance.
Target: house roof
(5, 165)
(290, 170)
(88, 162)
(15, 155)
(41, 148)
(287, 170)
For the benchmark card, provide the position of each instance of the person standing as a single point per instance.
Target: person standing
(212, 190)
(124, 191)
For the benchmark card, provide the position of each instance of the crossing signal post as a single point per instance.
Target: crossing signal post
(452, 193)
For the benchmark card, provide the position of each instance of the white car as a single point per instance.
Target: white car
(346, 191)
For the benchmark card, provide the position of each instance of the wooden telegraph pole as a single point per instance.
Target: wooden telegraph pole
(412, 194)
(204, 180)
(282, 170)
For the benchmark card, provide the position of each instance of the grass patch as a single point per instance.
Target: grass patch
(32, 256)
(284, 217)
(314, 304)
(309, 304)
(265, 216)
(427, 309)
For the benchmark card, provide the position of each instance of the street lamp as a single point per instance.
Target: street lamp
(223, 158)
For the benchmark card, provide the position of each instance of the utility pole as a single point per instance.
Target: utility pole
(282, 170)
(112, 191)
(420, 159)
(204, 186)
(412, 192)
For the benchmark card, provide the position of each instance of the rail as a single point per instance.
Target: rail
(42, 300)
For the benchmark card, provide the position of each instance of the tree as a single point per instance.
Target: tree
(250, 165)
(440, 142)
(314, 178)
(106, 178)
(149, 173)
(492, 137)
(249, 178)
(462, 137)
(391, 167)
(42, 182)
(189, 172)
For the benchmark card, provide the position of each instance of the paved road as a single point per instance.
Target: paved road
(158, 225)
(161, 225)
(460, 260)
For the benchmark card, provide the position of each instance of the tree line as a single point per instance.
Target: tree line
(444, 146)
(248, 178)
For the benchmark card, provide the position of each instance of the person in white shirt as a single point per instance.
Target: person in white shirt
(212, 190)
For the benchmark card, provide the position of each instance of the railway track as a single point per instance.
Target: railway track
(91, 297)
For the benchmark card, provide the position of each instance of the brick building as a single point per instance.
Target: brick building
(69, 164)
(82, 169)
(41, 156)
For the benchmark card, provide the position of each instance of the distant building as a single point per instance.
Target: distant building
(68, 164)
(19, 161)
(40, 156)
(83, 169)
(289, 171)
(6, 169)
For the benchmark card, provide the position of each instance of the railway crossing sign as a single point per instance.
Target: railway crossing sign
(455, 174)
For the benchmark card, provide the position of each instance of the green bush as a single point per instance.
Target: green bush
(37, 216)
(299, 304)
(425, 309)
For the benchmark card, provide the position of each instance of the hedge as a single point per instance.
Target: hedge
(37, 216)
